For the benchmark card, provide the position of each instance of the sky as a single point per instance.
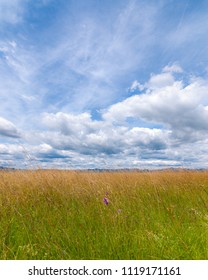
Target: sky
(103, 84)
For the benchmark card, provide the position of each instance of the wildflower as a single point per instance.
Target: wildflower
(105, 200)
(119, 210)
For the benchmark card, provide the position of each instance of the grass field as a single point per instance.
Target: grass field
(109, 215)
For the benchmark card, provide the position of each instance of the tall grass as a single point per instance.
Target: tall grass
(61, 215)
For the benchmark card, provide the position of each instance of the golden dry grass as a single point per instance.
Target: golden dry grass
(53, 214)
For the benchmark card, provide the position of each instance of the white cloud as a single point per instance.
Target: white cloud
(166, 78)
(11, 11)
(193, 29)
(119, 147)
(77, 140)
(183, 109)
(84, 63)
(18, 61)
(94, 56)
(160, 81)
(18, 88)
(174, 68)
(80, 133)
(136, 86)
(70, 124)
(8, 129)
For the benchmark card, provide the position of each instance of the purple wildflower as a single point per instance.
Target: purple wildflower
(105, 200)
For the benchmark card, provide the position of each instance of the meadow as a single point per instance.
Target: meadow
(53, 214)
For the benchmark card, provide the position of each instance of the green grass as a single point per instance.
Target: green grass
(61, 215)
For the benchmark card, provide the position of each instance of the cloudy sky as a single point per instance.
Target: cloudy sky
(103, 84)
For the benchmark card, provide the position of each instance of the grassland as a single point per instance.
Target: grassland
(63, 215)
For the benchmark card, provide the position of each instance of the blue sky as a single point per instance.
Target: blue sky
(103, 84)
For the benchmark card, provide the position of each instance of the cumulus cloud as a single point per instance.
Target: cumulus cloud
(160, 81)
(69, 124)
(175, 113)
(176, 68)
(166, 125)
(8, 129)
(136, 86)
(76, 72)
(82, 134)
(13, 155)
(182, 109)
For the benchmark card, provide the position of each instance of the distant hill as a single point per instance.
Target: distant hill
(6, 168)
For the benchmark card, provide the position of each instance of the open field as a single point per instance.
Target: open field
(125, 215)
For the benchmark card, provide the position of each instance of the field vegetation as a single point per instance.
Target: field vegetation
(57, 214)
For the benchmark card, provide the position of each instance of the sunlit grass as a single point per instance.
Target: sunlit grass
(62, 215)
